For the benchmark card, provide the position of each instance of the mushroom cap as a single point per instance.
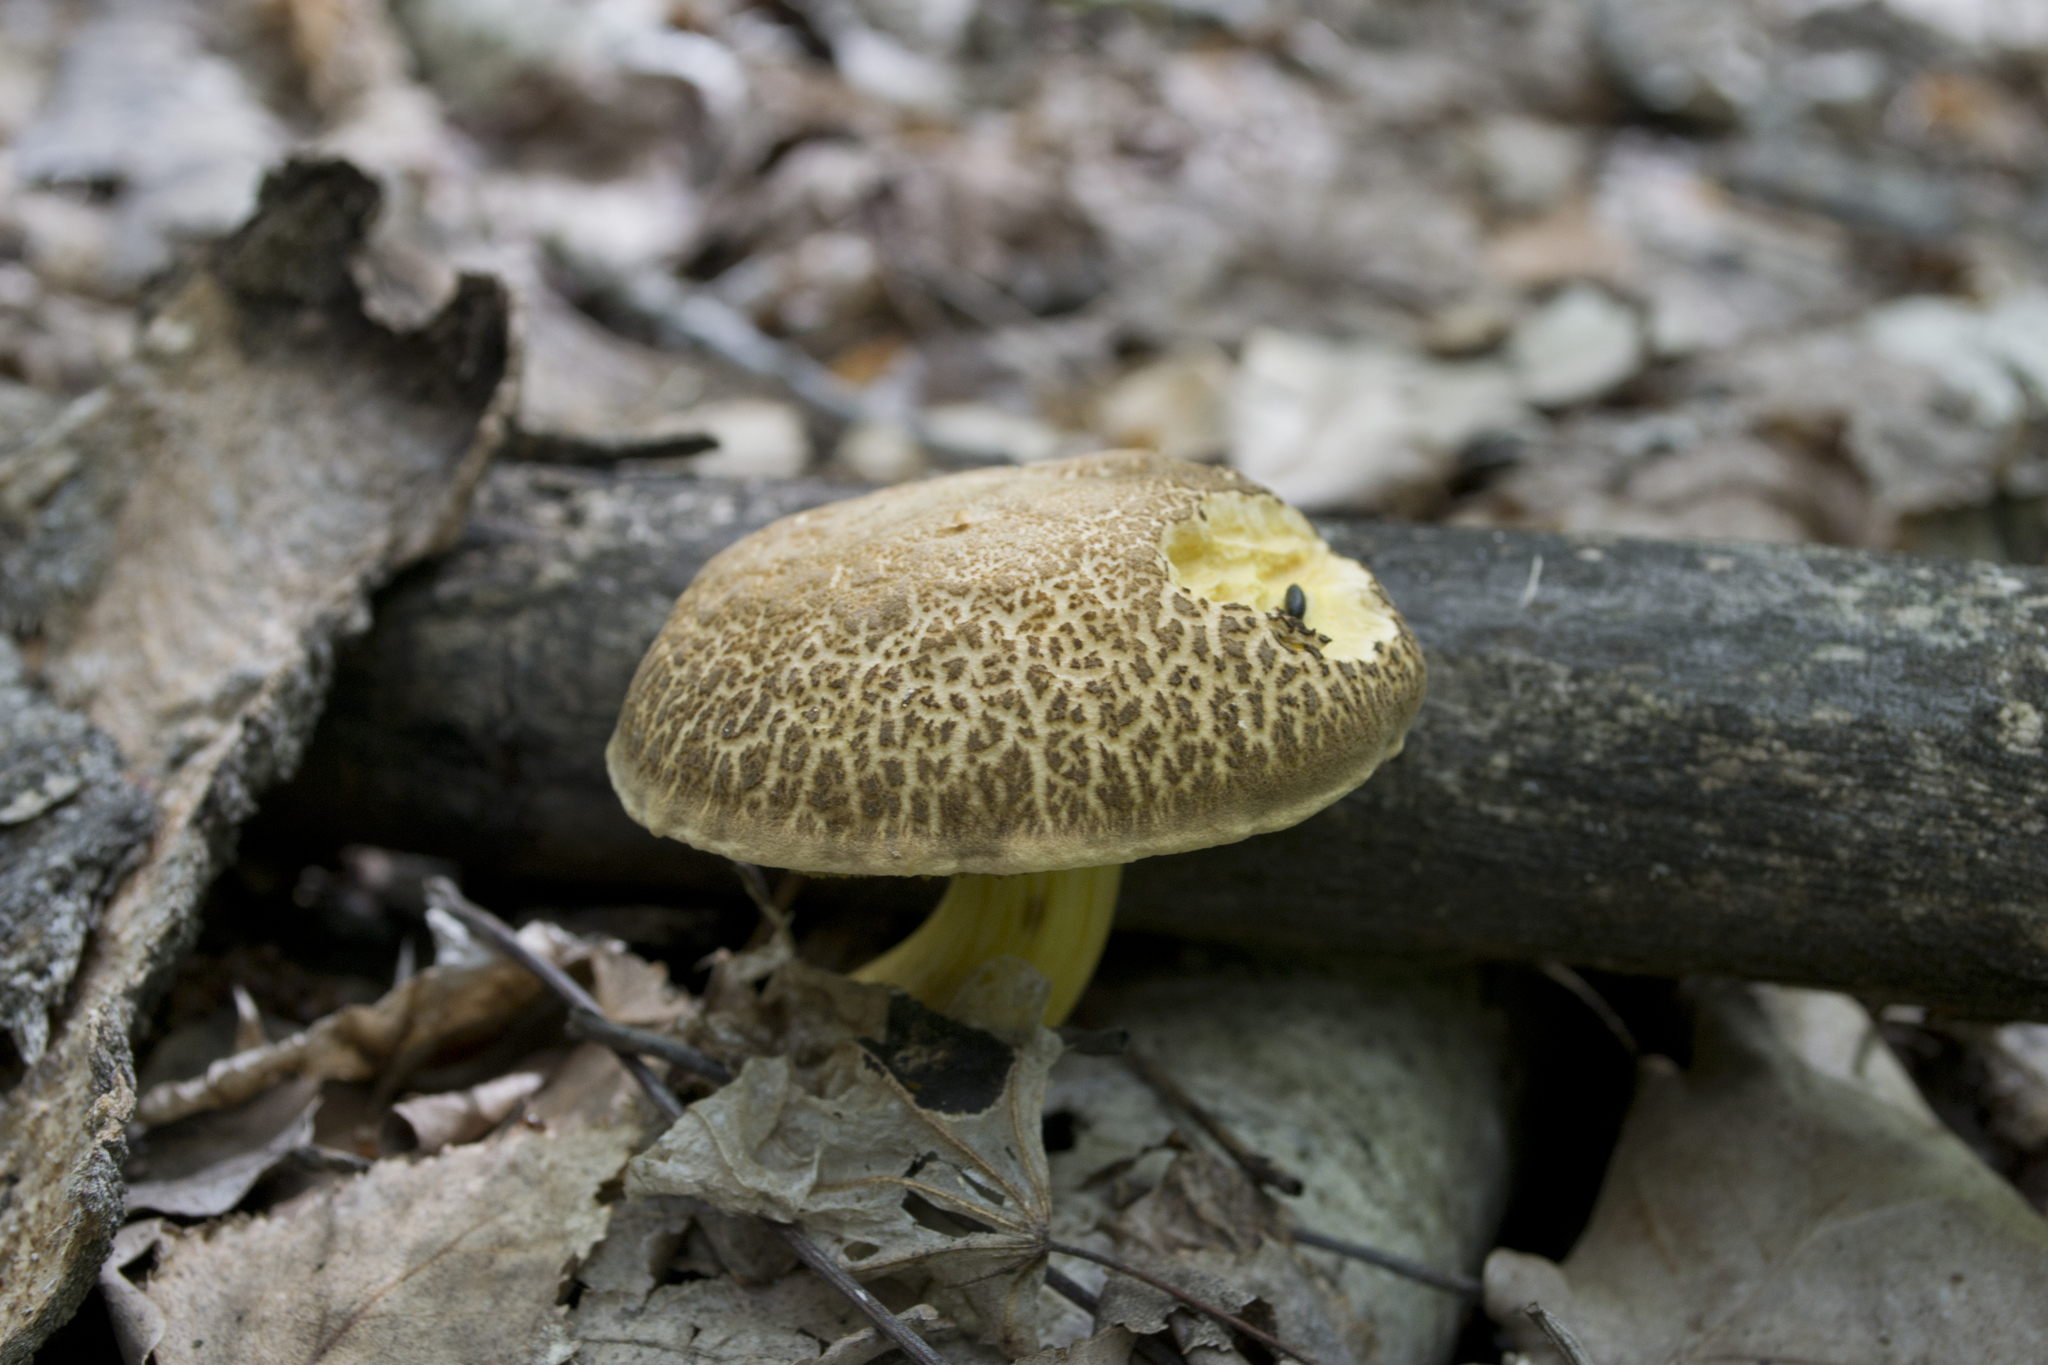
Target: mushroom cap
(1067, 664)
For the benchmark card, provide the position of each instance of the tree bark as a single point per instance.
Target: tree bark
(1793, 763)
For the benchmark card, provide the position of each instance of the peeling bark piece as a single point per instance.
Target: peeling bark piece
(457, 1257)
(71, 825)
(1818, 766)
(272, 457)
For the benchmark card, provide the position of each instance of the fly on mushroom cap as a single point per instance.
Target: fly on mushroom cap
(1029, 676)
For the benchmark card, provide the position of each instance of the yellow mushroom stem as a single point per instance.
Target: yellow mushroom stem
(1056, 921)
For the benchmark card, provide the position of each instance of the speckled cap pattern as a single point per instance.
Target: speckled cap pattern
(993, 672)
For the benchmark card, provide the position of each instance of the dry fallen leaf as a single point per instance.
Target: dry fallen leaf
(206, 1164)
(713, 1322)
(1207, 1230)
(916, 1148)
(454, 1257)
(1757, 1209)
(458, 1116)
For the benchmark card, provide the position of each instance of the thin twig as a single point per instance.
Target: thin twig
(1234, 1323)
(596, 1028)
(1560, 1335)
(681, 316)
(443, 894)
(1462, 1285)
(1592, 1000)
(1151, 1347)
(888, 1324)
(1261, 1168)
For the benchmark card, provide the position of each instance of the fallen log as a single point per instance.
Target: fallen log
(1793, 763)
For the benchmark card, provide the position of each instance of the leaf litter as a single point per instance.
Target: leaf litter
(1758, 1208)
(912, 1147)
(1004, 217)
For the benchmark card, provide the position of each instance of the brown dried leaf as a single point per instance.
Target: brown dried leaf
(357, 1042)
(459, 1116)
(138, 1324)
(455, 1257)
(1757, 1209)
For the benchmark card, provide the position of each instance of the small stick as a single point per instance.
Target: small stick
(1560, 1335)
(443, 894)
(888, 1324)
(680, 315)
(596, 1028)
(1261, 1168)
(1234, 1323)
(1461, 1285)
(1151, 1347)
(1592, 1000)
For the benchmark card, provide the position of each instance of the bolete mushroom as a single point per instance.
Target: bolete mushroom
(1022, 678)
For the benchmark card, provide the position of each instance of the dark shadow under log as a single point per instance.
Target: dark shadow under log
(1800, 764)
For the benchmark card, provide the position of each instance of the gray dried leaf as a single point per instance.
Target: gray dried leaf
(712, 1322)
(455, 1257)
(1208, 1231)
(1835, 1035)
(1112, 1346)
(1386, 1095)
(858, 1348)
(640, 1241)
(917, 1148)
(138, 1324)
(205, 1165)
(1757, 1209)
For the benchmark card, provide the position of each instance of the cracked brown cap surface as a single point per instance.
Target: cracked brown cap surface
(1068, 664)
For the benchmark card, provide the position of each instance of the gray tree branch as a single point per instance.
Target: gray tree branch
(1792, 763)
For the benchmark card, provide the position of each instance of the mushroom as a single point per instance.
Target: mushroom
(1021, 678)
